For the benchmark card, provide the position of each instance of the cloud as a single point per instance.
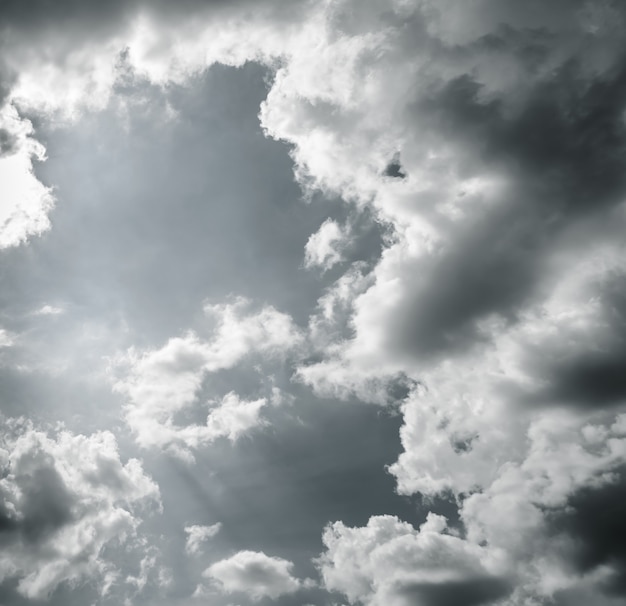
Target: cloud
(531, 510)
(592, 522)
(25, 201)
(256, 574)
(499, 293)
(6, 339)
(523, 533)
(390, 562)
(489, 137)
(487, 399)
(323, 248)
(197, 535)
(163, 383)
(62, 62)
(66, 497)
(49, 310)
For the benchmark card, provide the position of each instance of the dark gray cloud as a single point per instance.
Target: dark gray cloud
(594, 379)
(8, 139)
(8, 142)
(91, 19)
(564, 152)
(394, 168)
(66, 14)
(48, 504)
(590, 375)
(64, 498)
(594, 524)
(471, 593)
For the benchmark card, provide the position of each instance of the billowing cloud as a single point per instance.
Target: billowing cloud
(473, 238)
(568, 465)
(163, 383)
(472, 413)
(65, 497)
(390, 562)
(500, 294)
(255, 573)
(25, 202)
(524, 540)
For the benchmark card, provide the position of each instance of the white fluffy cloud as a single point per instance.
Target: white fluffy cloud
(324, 247)
(255, 573)
(64, 498)
(516, 549)
(198, 535)
(162, 383)
(473, 414)
(24, 201)
(516, 513)
(390, 562)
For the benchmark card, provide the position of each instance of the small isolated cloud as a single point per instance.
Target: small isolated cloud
(257, 574)
(233, 417)
(198, 535)
(324, 248)
(6, 338)
(49, 310)
(65, 497)
(162, 383)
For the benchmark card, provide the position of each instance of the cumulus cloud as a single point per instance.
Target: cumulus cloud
(65, 497)
(524, 524)
(25, 201)
(198, 535)
(255, 573)
(473, 413)
(162, 383)
(323, 248)
(500, 292)
(569, 465)
(473, 239)
(390, 562)
(541, 530)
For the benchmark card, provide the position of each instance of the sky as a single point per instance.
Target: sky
(312, 303)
